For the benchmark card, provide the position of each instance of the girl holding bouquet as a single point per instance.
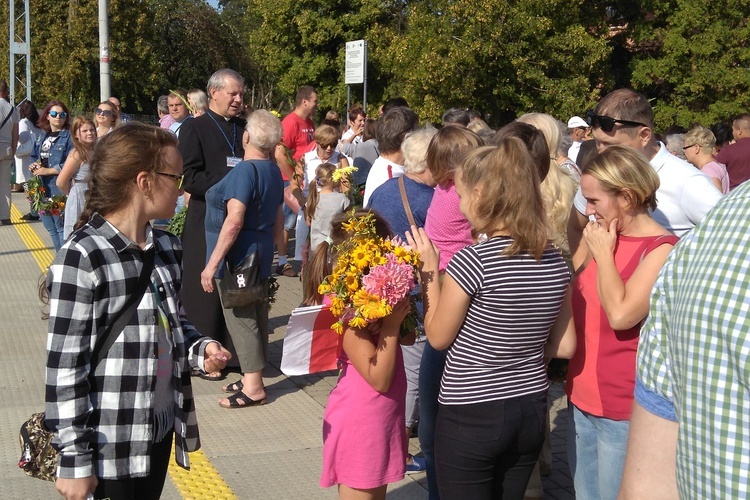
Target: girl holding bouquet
(364, 445)
(502, 307)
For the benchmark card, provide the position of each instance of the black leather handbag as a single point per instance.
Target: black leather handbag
(241, 285)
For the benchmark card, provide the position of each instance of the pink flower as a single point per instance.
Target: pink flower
(390, 281)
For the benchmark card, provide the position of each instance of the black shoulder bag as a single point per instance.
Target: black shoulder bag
(241, 285)
(38, 457)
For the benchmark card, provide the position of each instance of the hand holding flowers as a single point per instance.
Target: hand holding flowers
(372, 275)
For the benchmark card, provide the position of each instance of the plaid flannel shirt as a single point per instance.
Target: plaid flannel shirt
(694, 350)
(103, 420)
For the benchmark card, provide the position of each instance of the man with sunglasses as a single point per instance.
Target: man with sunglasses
(625, 118)
(8, 142)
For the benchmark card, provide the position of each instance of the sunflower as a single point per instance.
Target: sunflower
(371, 306)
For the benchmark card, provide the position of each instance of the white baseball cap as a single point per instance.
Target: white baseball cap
(577, 122)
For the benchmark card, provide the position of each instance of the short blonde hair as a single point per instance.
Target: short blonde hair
(618, 168)
(414, 149)
(446, 151)
(325, 135)
(701, 136)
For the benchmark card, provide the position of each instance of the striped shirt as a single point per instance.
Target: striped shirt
(499, 350)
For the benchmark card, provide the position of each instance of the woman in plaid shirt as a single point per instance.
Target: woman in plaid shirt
(115, 423)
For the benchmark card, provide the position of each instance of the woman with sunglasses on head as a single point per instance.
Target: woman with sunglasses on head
(115, 420)
(74, 176)
(107, 118)
(49, 155)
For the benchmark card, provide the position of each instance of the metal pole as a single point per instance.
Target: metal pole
(27, 21)
(348, 99)
(12, 29)
(364, 91)
(104, 86)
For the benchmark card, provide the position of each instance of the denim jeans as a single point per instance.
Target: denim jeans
(56, 229)
(430, 374)
(596, 454)
(488, 450)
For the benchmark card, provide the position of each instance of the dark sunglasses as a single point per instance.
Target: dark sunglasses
(179, 178)
(607, 123)
(104, 112)
(60, 114)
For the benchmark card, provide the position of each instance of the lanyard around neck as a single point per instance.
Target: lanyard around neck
(234, 133)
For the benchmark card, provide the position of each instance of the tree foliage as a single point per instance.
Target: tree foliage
(694, 60)
(502, 57)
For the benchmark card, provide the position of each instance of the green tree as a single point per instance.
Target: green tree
(693, 60)
(301, 42)
(504, 58)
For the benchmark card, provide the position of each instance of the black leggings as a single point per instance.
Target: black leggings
(141, 488)
(488, 450)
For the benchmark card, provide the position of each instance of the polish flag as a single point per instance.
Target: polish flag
(310, 346)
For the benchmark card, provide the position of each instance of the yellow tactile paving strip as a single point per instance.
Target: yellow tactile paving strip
(202, 481)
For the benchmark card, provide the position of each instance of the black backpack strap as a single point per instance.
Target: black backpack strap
(123, 317)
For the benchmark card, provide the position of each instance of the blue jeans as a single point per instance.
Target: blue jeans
(596, 454)
(56, 229)
(430, 374)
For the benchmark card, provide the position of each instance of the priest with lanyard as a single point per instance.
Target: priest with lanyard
(211, 145)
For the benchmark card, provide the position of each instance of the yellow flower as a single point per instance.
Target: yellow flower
(337, 306)
(338, 327)
(358, 322)
(324, 288)
(371, 306)
(361, 257)
(352, 282)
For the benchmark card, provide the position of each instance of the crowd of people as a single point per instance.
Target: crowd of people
(593, 240)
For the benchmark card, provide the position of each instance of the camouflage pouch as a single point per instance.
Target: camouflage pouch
(38, 457)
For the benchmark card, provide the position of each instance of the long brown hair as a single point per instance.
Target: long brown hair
(508, 183)
(320, 264)
(118, 158)
(84, 153)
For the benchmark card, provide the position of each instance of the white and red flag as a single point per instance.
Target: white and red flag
(310, 346)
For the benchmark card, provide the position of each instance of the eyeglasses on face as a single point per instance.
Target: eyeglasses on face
(607, 123)
(58, 114)
(179, 178)
(105, 112)
(688, 147)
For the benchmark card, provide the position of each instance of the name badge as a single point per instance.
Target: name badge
(232, 161)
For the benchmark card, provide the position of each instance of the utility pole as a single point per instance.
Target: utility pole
(104, 86)
(20, 52)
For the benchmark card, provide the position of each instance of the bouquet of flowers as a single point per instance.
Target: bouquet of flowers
(38, 200)
(370, 277)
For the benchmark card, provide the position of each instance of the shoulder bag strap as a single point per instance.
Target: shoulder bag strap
(7, 117)
(122, 318)
(405, 201)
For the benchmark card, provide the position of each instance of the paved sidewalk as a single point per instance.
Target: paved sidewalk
(268, 452)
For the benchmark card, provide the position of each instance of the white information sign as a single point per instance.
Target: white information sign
(356, 59)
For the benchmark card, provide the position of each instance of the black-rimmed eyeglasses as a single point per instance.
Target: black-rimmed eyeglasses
(179, 178)
(607, 123)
